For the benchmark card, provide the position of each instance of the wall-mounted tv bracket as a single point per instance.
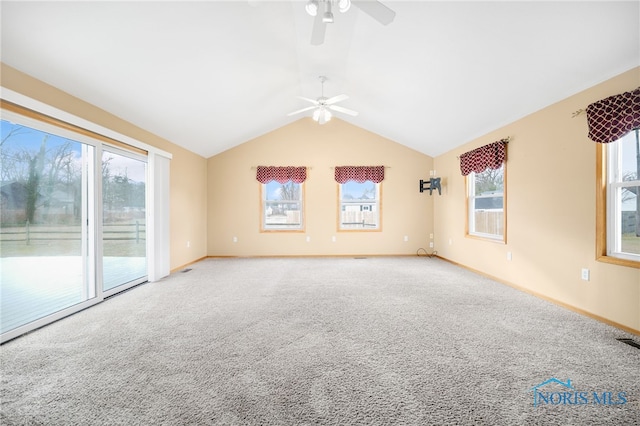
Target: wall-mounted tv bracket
(431, 184)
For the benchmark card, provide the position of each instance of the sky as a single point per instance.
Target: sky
(629, 153)
(352, 188)
(28, 139)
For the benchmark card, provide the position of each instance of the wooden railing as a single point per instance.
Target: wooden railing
(31, 233)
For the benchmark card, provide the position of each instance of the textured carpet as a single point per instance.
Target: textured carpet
(329, 341)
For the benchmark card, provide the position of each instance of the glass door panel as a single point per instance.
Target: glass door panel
(124, 255)
(45, 242)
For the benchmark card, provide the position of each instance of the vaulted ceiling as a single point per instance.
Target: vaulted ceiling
(209, 75)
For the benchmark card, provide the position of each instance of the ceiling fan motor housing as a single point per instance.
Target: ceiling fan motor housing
(323, 105)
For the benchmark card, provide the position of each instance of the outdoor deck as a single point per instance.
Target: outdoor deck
(34, 287)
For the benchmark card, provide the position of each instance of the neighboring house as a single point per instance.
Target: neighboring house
(13, 199)
(490, 200)
(60, 203)
(13, 195)
(629, 210)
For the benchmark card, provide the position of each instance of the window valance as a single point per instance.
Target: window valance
(611, 118)
(486, 157)
(266, 174)
(360, 174)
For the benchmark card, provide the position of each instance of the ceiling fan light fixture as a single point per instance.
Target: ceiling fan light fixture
(327, 18)
(322, 105)
(322, 115)
(344, 5)
(312, 7)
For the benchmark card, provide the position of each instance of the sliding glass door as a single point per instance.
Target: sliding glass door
(73, 220)
(124, 260)
(46, 226)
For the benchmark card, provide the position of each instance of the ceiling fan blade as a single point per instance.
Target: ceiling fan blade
(319, 28)
(343, 110)
(301, 110)
(335, 99)
(376, 10)
(313, 101)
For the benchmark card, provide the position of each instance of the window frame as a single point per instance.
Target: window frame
(264, 227)
(470, 187)
(605, 222)
(378, 205)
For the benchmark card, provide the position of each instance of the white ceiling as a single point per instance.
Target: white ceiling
(210, 75)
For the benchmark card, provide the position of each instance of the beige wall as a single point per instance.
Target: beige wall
(551, 199)
(551, 213)
(234, 193)
(188, 170)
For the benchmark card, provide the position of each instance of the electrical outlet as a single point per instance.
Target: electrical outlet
(431, 244)
(308, 238)
(431, 236)
(450, 241)
(585, 274)
(406, 238)
(509, 255)
(333, 239)
(188, 244)
(235, 239)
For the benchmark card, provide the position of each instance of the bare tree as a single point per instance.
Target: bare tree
(59, 161)
(36, 166)
(107, 194)
(629, 193)
(14, 131)
(290, 191)
(489, 180)
(40, 171)
(12, 161)
(369, 193)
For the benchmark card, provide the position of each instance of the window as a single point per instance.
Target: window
(486, 203)
(359, 206)
(282, 206)
(618, 201)
(486, 180)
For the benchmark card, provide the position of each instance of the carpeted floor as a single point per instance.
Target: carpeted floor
(329, 341)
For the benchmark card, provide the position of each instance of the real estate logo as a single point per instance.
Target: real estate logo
(556, 392)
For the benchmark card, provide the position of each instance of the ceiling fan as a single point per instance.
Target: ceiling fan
(322, 106)
(322, 11)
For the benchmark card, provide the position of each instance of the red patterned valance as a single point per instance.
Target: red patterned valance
(486, 157)
(360, 174)
(285, 174)
(613, 117)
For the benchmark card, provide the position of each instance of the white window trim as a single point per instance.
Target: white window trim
(614, 203)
